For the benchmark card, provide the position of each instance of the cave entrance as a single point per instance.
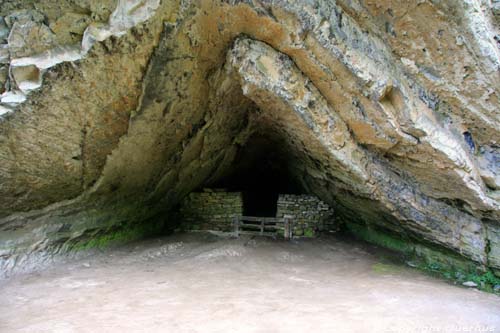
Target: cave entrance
(260, 193)
(261, 173)
(260, 203)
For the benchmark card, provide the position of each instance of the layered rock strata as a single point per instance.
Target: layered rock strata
(112, 112)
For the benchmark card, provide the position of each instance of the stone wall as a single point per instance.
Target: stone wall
(211, 210)
(309, 213)
(214, 209)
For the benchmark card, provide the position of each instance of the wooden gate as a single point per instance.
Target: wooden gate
(262, 226)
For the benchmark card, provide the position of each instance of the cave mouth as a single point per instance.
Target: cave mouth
(264, 185)
(261, 172)
(260, 203)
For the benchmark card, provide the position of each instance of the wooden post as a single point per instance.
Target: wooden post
(262, 227)
(287, 229)
(236, 222)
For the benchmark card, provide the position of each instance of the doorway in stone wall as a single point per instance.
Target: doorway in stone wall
(260, 203)
(261, 173)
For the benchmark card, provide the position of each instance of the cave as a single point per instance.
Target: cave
(261, 172)
(260, 202)
(135, 135)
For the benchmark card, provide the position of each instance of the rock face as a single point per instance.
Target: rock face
(112, 112)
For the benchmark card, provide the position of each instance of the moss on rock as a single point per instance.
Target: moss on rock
(118, 236)
(431, 259)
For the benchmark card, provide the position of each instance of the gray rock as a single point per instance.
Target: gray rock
(4, 110)
(30, 38)
(4, 31)
(27, 78)
(470, 284)
(4, 54)
(12, 97)
(412, 264)
(4, 75)
(495, 7)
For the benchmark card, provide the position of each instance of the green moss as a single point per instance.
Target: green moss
(309, 232)
(119, 236)
(379, 238)
(383, 268)
(431, 259)
(485, 281)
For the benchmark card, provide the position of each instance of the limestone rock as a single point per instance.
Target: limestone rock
(27, 77)
(386, 110)
(4, 75)
(11, 97)
(4, 111)
(4, 54)
(29, 35)
(70, 27)
(4, 31)
(470, 284)
(102, 9)
(489, 162)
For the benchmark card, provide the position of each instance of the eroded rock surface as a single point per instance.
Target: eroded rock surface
(113, 111)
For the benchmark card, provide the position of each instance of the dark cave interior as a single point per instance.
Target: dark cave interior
(261, 171)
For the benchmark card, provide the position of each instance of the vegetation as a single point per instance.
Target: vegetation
(309, 232)
(429, 258)
(119, 236)
(486, 281)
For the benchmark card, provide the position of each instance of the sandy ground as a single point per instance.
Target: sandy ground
(202, 283)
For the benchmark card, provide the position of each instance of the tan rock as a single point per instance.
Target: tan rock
(27, 78)
(389, 110)
(70, 27)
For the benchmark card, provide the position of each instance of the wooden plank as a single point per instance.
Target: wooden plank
(266, 225)
(273, 220)
(257, 233)
(259, 219)
(262, 226)
(257, 226)
(250, 218)
(250, 226)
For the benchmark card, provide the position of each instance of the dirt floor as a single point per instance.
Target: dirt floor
(204, 283)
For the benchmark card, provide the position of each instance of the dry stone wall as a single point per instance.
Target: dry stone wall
(309, 213)
(211, 210)
(215, 209)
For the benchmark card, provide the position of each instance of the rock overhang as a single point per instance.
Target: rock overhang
(363, 130)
